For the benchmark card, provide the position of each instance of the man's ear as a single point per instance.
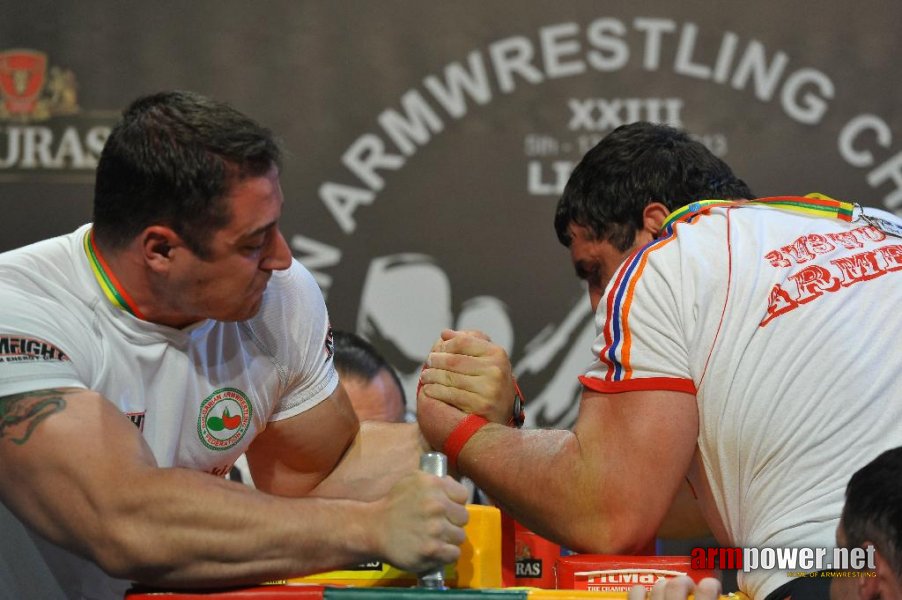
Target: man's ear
(157, 245)
(879, 583)
(653, 216)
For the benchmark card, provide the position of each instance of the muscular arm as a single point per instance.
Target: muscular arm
(684, 519)
(325, 452)
(603, 487)
(74, 469)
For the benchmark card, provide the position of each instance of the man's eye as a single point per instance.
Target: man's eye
(255, 245)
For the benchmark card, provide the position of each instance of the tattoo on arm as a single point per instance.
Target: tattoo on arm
(26, 411)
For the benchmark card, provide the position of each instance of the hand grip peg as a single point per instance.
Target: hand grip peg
(434, 463)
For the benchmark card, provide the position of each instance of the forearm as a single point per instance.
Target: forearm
(548, 481)
(160, 526)
(379, 456)
(604, 487)
(176, 527)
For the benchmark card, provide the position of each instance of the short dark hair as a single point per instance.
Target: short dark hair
(634, 165)
(873, 509)
(356, 357)
(171, 159)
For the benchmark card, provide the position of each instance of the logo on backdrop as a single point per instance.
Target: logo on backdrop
(43, 130)
(552, 156)
(406, 298)
(32, 92)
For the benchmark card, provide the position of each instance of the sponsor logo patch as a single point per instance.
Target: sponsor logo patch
(224, 418)
(16, 348)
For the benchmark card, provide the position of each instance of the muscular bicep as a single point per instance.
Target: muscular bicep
(643, 442)
(292, 456)
(684, 519)
(61, 452)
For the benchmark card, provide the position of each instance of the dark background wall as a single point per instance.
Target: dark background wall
(428, 142)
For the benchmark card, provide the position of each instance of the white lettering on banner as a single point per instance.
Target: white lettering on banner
(510, 56)
(889, 170)
(537, 183)
(540, 145)
(553, 49)
(683, 63)
(853, 129)
(605, 114)
(569, 49)
(343, 200)
(728, 46)
(35, 94)
(37, 147)
(450, 93)
(422, 120)
(366, 155)
(606, 35)
(653, 29)
(815, 105)
(753, 65)
(550, 178)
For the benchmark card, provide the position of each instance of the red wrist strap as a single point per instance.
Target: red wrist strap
(460, 435)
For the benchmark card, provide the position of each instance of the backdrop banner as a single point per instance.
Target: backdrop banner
(428, 142)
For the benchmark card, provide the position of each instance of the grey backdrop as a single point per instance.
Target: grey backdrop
(428, 141)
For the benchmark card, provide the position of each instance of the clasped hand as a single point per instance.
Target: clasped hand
(466, 370)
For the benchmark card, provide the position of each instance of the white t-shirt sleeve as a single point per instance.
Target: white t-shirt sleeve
(640, 343)
(294, 323)
(36, 350)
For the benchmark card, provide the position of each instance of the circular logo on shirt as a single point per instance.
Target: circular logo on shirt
(224, 418)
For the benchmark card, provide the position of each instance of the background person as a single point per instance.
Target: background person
(714, 326)
(143, 353)
(371, 383)
(872, 516)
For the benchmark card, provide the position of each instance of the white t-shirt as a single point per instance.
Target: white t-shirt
(199, 395)
(787, 329)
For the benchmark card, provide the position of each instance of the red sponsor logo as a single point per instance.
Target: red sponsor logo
(31, 91)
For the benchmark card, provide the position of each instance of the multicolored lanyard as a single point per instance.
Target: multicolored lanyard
(111, 287)
(816, 205)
